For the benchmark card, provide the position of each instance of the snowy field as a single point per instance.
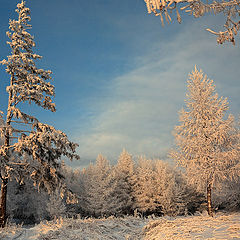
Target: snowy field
(221, 226)
(195, 227)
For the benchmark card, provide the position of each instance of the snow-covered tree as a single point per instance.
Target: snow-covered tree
(22, 132)
(165, 187)
(144, 186)
(125, 163)
(74, 179)
(206, 139)
(173, 195)
(198, 8)
(160, 189)
(95, 184)
(55, 206)
(25, 203)
(226, 195)
(119, 190)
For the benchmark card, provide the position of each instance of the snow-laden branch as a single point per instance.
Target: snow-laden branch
(197, 8)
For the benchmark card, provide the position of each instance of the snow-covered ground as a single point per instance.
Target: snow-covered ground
(89, 229)
(195, 227)
(221, 226)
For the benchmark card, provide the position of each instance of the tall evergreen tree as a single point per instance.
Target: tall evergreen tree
(144, 186)
(205, 139)
(120, 200)
(125, 163)
(23, 133)
(173, 195)
(96, 184)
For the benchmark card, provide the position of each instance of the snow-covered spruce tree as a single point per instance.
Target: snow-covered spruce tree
(205, 139)
(55, 206)
(25, 203)
(197, 8)
(144, 187)
(43, 143)
(173, 195)
(119, 189)
(159, 189)
(125, 164)
(75, 182)
(95, 184)
(227, 195)
(168, 192)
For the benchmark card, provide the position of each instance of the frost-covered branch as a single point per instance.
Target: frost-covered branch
(198, 8)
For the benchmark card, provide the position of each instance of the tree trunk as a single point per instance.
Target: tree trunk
(3, 202)
(209, 200)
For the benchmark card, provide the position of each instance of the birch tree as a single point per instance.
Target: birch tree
(206, 138)
(23, 133)
(198, 8)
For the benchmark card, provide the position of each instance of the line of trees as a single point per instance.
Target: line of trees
(142, 188)
(138, 186)
(147, 186)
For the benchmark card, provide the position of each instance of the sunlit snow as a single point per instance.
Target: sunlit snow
(221, 226)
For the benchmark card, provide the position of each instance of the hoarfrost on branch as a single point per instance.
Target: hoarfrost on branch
(197, 8)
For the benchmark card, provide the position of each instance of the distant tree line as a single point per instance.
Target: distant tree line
(141, 188)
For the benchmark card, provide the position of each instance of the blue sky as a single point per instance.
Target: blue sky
(120, 76)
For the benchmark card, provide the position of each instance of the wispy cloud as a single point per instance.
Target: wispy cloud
(142, 107)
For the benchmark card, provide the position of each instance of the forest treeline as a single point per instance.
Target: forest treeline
(133, 186)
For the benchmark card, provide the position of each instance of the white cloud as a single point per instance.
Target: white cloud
(141, 109)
